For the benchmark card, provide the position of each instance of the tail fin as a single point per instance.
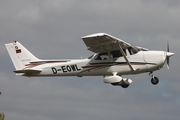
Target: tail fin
(20, 56)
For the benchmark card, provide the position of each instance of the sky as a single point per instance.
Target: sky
(53, 29)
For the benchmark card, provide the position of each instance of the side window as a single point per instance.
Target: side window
(102, 56)
(117, 53)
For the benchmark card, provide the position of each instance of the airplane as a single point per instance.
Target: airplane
(112, 59)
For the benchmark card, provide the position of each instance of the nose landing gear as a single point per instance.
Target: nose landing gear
(154, 80)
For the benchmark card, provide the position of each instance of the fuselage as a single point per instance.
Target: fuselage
(142, 61)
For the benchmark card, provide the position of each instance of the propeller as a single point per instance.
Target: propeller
(168, 55)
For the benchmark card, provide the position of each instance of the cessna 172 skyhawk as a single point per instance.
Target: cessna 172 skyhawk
(113, 58)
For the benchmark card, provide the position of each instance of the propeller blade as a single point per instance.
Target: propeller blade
(167, 46)
(167, 56)
(167, 59)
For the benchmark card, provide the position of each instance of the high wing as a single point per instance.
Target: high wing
(102, 42)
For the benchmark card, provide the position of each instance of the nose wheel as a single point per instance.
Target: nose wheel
(154, 80)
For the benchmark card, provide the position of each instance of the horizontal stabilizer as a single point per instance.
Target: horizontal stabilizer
(28, 71)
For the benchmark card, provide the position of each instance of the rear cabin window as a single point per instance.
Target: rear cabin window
(102, 56)
(90, 57)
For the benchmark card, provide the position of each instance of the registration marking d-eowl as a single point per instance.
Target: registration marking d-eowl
(66, 68)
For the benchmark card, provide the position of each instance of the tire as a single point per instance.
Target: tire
(154, 81)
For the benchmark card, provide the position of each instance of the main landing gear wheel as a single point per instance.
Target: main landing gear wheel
(154, 80)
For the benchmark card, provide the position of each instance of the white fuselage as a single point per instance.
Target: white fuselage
(143, 61)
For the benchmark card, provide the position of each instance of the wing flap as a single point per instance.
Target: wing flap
(28, 71)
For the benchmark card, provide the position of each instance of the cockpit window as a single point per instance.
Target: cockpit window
(133, 50)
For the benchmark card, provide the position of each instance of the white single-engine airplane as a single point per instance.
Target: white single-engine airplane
(113, 58)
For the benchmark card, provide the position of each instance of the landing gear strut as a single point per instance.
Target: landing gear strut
(154, 80)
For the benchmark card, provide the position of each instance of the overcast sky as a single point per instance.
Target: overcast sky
(53, 29)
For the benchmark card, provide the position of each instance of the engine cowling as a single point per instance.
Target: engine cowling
(118, 81)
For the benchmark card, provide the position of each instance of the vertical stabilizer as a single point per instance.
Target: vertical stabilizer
(20, 56)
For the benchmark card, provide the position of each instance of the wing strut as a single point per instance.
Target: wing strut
(131, 67)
